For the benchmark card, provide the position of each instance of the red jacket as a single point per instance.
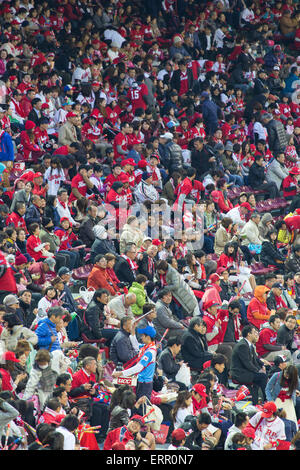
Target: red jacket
(218, 198)
(266, 336)
(7, 279)
(100, 279)
(223, 317)
(117, 435)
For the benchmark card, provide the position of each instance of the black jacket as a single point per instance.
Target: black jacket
(293, 263)
(168, 364)
(194, 349)
(94, 318)
(270, 255)
(123, 271)
(244, 363)
(200, 161)
(147, 268)
(285, 337)
(256, 175)
(101, 247)
(86, 233)
(175, 80)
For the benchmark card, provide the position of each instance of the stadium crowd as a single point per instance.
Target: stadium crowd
(149, 225)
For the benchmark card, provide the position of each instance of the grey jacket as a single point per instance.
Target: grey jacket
(165, 319)
(182, 291)
(276, 173)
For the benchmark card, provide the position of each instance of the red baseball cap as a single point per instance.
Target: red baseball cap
(9, 356)
(87, 61)
(70, 114)
(142, 164)
(29, 125)
(37, 175)
(269, 408)
(294, 171)
(214, 277)
(178, 434)
(156, 242)
(249, 432)
(137, 418)
(247, 206)
(130, 161)
(201, 389)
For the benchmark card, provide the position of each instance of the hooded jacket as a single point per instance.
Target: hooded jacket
(257, 311)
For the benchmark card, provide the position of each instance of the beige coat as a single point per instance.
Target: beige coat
(67, 134)
(131, 235)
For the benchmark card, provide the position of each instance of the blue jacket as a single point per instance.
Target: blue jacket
(6, 148)
(46, 328)
(209, 111)
(273, 388)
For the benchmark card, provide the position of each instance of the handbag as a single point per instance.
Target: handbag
(86, 294)
(161, 435)
(184, 375)
(155, 418)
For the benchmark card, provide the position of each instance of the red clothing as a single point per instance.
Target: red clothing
(110, 179)
(100, 279)
(28, 148)
(184, 84)
(257, 312)
(32, 243)
(210, 321)
(289, 186)
(17, 220)
(223, 317)
(135, 95)
(81, 377)
(7, 381)
(65, 240)
(224, 204)
(266, 336)
(122, 141)
(79, 183)
(89, 132)
(117, 435)
(61, 150)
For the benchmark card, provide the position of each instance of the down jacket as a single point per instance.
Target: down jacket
(181, 291)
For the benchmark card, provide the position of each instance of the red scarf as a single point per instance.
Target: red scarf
(133, 265)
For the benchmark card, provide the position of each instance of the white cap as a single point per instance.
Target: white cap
(167, 135)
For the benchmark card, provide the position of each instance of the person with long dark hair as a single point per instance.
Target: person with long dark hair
(282, 387)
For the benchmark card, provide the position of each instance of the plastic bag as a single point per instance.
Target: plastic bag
(184, 375)
(86, 294)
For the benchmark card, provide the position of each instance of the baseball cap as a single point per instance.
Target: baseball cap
(268, 409)
(248, 431)
(201, 389)
(10, 299)
(211, 303)
(87, 61)
(156, 242)
(70, 114)
(51, 262)
(167, 135)
(278, 285)
(204, 94)
(29, 125)
(247, 206)
(148, 331)
(137, 418)
(294, 171)
(214, 277)
(63, 270)
(280, 359)
(9, 356)
(146, 175)
(178, 434)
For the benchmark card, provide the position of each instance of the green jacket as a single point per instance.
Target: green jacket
(141, 297)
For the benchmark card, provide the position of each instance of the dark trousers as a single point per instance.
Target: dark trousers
(259, 382)
(100, 416)
(144, 388)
